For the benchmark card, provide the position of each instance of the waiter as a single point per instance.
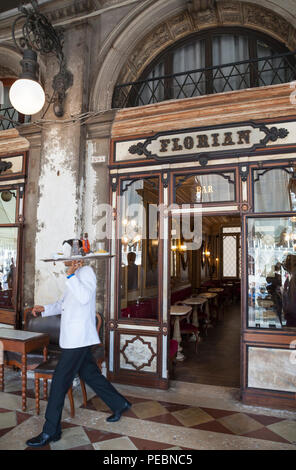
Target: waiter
(77, 334)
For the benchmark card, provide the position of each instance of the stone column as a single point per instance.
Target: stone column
(59, 210)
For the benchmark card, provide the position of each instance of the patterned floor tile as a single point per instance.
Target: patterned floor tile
(88, 447)
(120, 443)
(99, 404)
(166, 419)
(71, 437)
(267, 434)
(265, 420)
(4, 431)
(8, 420)
(148, 409)
(170, 407)
(213, 426)
(144, 444)
(285, 429)
(21, 417)
(95, 435)
(192, 416)
(218, 413)
(240, 423)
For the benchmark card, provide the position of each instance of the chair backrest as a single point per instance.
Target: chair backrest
(50, 325)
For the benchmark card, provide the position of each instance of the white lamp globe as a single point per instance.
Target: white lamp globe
(27, 96)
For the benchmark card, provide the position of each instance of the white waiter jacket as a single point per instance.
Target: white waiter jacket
(78, 310)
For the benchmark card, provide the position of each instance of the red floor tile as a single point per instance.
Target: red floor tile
(267, 435)
(218, 413)
(265, 420)
(144, 444)
(5, 431)
(213, 426)
(95, 435)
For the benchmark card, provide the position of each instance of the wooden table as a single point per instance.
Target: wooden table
(210, 296)
(22, 342)
(216, 290)
(179, 311)
(195, 302)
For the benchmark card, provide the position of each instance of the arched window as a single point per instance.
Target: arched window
(214, 61)
(11, 116)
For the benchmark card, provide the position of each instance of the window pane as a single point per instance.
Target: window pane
(229, 256)
(266, 198)
(8, 260)
(227, 49)
(139, 248)
(7, 206)
(205, 188)
(272, 272)
(231, 229)
(185, 59)
(151, 91)
(270, 71)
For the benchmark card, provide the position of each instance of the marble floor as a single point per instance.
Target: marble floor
(217, 360)
(187, 416)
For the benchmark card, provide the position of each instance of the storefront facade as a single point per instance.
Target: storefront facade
(138, 347)
(242, 142)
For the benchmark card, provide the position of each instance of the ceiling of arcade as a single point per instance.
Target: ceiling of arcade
(223, 13)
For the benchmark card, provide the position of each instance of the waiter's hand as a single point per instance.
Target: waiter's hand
(37, 309)
(74, 266)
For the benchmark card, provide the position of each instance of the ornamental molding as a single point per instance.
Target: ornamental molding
(192, 20)
(205, 143)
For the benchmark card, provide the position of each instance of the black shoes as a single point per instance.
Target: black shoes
(43, 439)
(117, 414)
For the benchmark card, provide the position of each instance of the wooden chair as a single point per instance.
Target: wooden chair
(46, 370)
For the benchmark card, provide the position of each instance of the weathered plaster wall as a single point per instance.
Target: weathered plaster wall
(59, 210)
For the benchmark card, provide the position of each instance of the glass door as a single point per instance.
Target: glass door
(137, 327)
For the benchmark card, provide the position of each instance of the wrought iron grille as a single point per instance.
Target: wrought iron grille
(271, 70)
(10, 118)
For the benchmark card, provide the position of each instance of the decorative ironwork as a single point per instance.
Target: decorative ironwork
(243, 171)
(273, 134)
(226, 176)
(140, 149)
(165, 179)
(4, 166)
(40, 36)
(251, 73)
(9, 118)
(203, 161)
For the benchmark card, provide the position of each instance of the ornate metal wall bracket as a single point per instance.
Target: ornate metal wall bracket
(40, 36)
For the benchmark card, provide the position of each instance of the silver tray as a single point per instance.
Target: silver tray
(80, 258)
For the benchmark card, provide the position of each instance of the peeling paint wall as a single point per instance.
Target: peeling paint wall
(61, 182)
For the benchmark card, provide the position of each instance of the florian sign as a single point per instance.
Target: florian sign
(206, 143)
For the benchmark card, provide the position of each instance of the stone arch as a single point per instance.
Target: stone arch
(128, 56)
(10, 65)
(9, 62)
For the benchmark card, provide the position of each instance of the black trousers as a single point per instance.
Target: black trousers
(72, 362)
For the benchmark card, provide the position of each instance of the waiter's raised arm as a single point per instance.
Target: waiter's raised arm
(84, 285)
